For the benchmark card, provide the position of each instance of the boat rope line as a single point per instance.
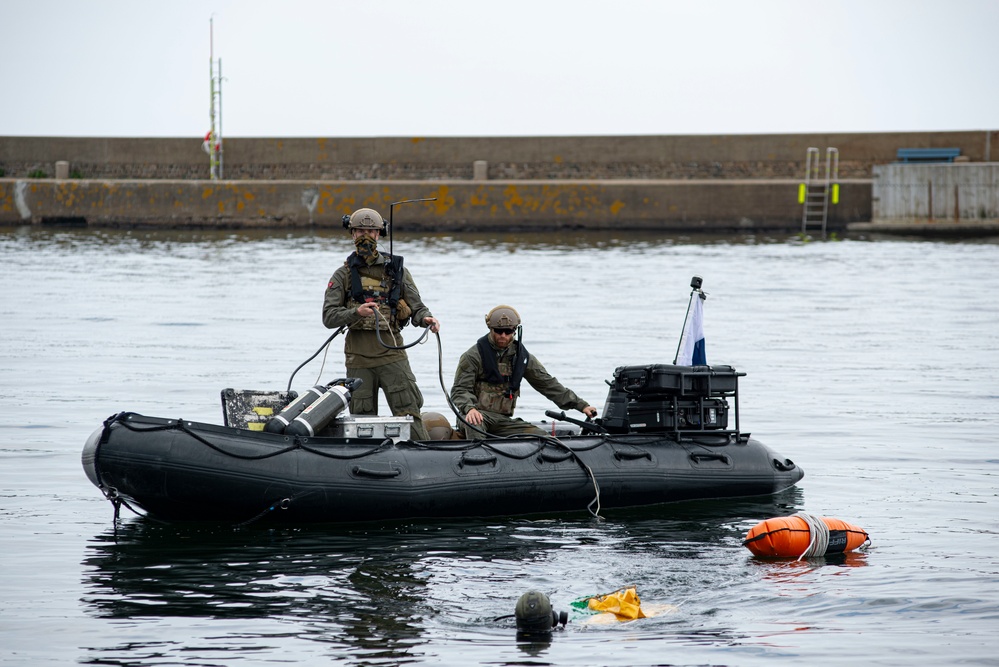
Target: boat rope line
(282, 504)
(178, 425)
(297, 443)
(384, 444)
(116, 500)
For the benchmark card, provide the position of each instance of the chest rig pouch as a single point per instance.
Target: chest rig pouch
(384, 288)
(499, 387)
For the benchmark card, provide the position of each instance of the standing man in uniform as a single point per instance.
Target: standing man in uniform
(487, 381)
(374, 295)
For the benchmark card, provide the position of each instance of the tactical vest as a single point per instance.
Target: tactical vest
(384, 289)
(498, 388)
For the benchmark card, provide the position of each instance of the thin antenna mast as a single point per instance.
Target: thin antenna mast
(695, 288)
(214, 139)
(221, 149)
(392, 209)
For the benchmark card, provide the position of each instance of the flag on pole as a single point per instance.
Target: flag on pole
(691, 351)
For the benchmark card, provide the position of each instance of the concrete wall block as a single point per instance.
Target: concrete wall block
(694, 156)
(710, 206)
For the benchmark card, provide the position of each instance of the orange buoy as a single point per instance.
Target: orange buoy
(801, 535)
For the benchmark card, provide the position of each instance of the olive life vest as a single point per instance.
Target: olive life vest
(386, 292)
(499, 387)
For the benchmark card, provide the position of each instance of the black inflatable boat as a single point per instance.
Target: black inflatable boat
(666, 435)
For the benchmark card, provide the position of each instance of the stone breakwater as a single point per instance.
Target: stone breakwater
(706, 206)
(683, 183)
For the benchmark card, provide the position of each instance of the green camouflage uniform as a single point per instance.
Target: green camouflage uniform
(366, 358)
(470, 390)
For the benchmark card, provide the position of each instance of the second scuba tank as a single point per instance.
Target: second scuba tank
(280, 421)
(321, 412)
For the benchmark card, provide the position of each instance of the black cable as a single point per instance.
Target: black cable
(378, 334)
(328, 341)
(544, 439)
(447, 394)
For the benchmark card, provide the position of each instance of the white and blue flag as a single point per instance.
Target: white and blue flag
(691, 350)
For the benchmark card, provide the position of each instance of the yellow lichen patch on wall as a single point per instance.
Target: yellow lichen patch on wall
(444, 201)
(616, 206)
(325, 199)
(65, 194)
(347, 205)
(207, 192)
(248, 196)
(512, 198)
(416, 140)
(6, 198)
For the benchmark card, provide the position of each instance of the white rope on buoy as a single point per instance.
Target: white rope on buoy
(819, 532)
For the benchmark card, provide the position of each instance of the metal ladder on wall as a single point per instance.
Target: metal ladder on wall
(816, 193)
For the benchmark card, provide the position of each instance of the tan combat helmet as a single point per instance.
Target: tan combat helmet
(365, 218)
(502, 317)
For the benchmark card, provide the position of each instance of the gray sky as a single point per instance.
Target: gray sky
(481, 68)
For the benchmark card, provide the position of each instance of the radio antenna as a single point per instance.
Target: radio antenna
(392, 209)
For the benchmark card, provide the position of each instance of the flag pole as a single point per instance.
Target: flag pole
(695, 285)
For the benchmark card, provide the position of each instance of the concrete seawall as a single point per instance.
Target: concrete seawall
(762, 156)
(703, 205)
(680, 183)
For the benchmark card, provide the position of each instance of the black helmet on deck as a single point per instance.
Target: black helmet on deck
(502, 317)
(365, 218)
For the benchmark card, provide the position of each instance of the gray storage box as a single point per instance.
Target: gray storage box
(376, 428)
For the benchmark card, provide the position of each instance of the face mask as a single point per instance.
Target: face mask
(367, 249)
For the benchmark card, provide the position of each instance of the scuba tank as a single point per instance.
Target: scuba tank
(279, 422)
(324, 409)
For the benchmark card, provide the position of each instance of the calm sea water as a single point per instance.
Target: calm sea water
(873, 364)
